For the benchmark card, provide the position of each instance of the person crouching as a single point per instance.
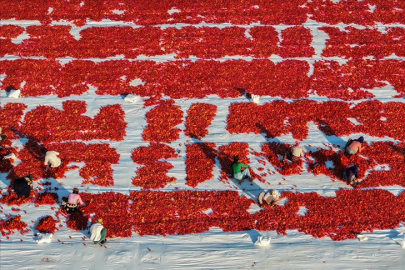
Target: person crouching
(98, 233)
(268, 198)
(353, 147)
(23, 186)
(237, 171)
(52, 160)
(73, 201)
(295, 154)
(351, 175)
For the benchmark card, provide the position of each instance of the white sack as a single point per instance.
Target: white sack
(132, 98)
(44, 238)
(14, 94)
(10, 156)
(255, 99)
(362, 237)
(263, 241)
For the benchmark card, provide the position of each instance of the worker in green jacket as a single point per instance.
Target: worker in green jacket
(237, 171)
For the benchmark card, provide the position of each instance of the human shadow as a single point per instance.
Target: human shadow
(251, 189)
(33, 145)
(263, 130)
(241, 91)
(208, 151)
(10, 88)
(330, 133)
(336, 141)
(254, 235)
(53, 185)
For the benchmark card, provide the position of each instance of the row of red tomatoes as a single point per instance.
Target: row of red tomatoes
(245, 12)
(341, 41)
(276, 12)
(277, 118)
(188, 79)
(46, 224)
(183, 212)
(203, 42)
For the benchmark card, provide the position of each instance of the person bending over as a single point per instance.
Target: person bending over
(73, 201)
(354, 146)
(295, 154)
(23, 186)
(351, 175)
(98, 233)
(268, 198)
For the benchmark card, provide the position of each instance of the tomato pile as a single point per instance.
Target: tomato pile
(12, 223)
(46, 123)
(46, 224)
(200, 162)
(199, 117)
(162, 121)
(152, 174)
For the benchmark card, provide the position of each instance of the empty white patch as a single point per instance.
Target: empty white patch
(75, 32)
(173, 10)
(119, 12)
(371, 7)
(329, 164)
(2, 76)
(303, 210)
(382, 167)
(256, 6)
(383, 118)
(357, 26)
(208, 212)
(383, 92)
(20, 39)
(122, 256)
(247, 34)
(136, 82)
(50, 10)
(276, 59)
(63, 61)
(123, 78)
(354, 121)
